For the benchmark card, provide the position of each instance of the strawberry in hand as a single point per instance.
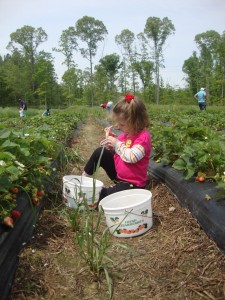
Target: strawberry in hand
(112, 134)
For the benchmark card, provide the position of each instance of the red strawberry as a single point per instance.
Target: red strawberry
(8, 221)
(15, 190)
(39, 193)
(16, 214)
(36, 201)
(112, 134)
(202, 179)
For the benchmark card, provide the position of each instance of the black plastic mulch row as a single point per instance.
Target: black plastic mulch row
(210, 214)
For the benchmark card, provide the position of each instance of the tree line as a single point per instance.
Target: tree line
(28, 73)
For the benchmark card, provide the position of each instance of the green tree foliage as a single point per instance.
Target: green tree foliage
(207, 68)
(111, 65)
(28, 38)
(191, 67)
(4, 88)
(220, 67)
(101, 84)
(105, 76)
(145, 69)
(208, 43)
(45, 79)
(126, 40)
(17, 75)
(29, 74)
(91, 32)
(158, 31)
(72, 85)
(67, 45)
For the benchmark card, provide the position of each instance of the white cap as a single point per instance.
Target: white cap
(202, 89)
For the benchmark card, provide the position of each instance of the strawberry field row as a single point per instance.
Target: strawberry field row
(30, 156)
(191, 143)
(26, 152)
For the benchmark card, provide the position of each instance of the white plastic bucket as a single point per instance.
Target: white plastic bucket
(128, 213)
(77, 189)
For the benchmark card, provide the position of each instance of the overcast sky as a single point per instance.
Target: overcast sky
(190, 17)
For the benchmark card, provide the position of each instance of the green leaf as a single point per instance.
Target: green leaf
(179, 164)
(188, 173)
(7, 156)
(109, 281)
(5, 183)
(9, 144)
(13, 170)
(25, 151)
(4, 133)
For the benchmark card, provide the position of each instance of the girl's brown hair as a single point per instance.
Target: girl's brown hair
(134, 112)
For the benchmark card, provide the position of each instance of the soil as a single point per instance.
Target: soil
(173, 260)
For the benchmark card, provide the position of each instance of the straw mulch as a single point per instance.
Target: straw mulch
(173, 260)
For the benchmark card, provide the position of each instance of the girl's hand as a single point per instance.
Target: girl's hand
(109, 143)
(107, 131)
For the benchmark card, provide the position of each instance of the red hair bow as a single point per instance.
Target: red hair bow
(129, 97)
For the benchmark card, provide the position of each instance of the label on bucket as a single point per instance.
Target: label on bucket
(128, 213)
(137, 230)
(130, 224)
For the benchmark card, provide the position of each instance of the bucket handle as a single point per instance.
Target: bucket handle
(76, 186)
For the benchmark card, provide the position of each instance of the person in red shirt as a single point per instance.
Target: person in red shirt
(124, 158)
(103, 106)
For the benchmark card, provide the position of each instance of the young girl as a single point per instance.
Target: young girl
(125, 158)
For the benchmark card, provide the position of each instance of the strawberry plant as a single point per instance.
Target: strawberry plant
(189, 146)
(24, 157)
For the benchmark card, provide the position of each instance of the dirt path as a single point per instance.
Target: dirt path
(173, 260)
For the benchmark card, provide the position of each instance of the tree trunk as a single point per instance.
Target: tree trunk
(157, 76)
(92, 91)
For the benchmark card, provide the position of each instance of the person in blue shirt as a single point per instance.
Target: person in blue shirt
(201, 97)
